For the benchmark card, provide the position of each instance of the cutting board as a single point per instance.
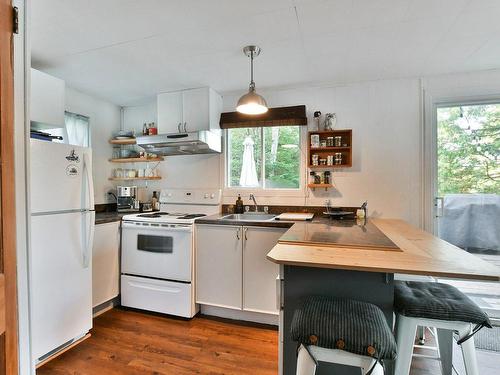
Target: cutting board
(295, 216)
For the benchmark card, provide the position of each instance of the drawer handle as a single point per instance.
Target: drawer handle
(155, 288)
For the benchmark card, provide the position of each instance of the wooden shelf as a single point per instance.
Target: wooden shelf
(136, 160)
(329, 166)
(330, 148)
(320, 186)
(133, 178)
(128, 141)
(323, 152)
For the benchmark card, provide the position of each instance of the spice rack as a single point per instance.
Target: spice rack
(324, 150)
(333, 150)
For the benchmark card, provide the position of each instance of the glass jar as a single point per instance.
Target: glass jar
(338, 141)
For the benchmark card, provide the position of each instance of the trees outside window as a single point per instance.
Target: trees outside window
(469, 149)
(276, 152)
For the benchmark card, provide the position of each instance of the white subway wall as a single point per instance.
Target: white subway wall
(104, 122)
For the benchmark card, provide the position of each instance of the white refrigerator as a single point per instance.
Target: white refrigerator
(62, 231)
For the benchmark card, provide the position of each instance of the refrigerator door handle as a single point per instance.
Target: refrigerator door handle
(87, 165)
(88, 236)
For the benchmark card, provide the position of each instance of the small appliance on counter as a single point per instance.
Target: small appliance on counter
(127, 199)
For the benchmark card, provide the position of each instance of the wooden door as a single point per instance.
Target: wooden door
(8, 300)
(218, 265)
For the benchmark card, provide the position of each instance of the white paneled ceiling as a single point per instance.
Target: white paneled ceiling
(127, 50)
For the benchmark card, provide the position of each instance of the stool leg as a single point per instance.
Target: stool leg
(421, 335)
(469, 354)
(445, 345)
(406, 329)
(305, 364)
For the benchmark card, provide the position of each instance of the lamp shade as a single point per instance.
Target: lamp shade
(251, 103)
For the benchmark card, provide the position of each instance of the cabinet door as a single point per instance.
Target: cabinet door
(196, 109)
(105, 263)
(47, 100)
(169, 112)
(259, 273)
(218, 265)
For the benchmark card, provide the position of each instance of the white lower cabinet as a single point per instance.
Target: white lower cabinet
(259, 273)
(218, 265)
(106, 263)
(232, 270)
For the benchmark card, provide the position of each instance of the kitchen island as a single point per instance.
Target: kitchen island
(319, 259)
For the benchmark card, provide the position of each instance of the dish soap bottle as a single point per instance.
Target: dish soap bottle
(239, 205)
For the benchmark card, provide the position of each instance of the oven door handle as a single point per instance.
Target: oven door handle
(174, 228)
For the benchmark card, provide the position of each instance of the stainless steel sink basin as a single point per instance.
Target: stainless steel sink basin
(249, 216)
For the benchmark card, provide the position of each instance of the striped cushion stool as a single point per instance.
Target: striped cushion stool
(436, 305)
(341, 331)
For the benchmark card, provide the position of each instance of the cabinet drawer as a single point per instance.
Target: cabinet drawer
(156, 295)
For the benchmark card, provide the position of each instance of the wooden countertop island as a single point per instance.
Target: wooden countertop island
(347, 260)
(416, 252)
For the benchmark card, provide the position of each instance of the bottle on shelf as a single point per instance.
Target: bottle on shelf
(145, 129)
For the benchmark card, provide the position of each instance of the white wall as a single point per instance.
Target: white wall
(385, 119)
(388, 129)
(193, 171)
(104, 122)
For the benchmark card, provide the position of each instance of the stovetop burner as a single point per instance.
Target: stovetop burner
(191, 216)
(154, 214)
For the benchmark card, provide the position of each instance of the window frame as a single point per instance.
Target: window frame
(233, 191)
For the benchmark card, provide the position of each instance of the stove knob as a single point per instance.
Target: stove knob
(206, 196)
(212, 196)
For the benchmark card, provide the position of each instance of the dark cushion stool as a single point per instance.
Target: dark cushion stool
(430, 300)
(354, 326)
(431, 304)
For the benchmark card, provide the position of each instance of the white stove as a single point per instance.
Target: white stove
(158, 252)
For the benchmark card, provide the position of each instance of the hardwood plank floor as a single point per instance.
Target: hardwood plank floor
(125, 342)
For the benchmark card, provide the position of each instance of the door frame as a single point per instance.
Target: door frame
(431, 105)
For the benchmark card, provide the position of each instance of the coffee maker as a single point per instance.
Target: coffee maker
(126, 199)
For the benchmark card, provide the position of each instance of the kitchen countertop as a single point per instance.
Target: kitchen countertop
(420, 253)
(108, 217)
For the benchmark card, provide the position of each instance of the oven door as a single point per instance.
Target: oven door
(159, 251)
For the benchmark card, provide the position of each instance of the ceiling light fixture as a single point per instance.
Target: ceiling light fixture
(251, 103)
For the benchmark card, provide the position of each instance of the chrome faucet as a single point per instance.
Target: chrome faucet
(252, 197)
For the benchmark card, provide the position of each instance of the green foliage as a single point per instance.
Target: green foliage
(469, 149)
(281, 154)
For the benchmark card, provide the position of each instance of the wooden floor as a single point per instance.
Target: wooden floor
(128, 342)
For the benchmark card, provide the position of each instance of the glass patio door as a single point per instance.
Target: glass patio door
(468, 190)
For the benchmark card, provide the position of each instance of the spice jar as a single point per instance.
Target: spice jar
(315, 159)
(327, 178)
(338, 158)
(312, 177)
(322, 161)
(338, 141)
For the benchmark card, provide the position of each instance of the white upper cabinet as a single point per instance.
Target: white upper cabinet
(47, 100)
(189, 110)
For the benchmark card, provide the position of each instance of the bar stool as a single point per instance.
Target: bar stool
(341, 331)
(435, 305)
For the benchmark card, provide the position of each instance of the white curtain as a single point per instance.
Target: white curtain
(77, 130)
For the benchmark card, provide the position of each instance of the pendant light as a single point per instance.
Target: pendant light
(251, 103)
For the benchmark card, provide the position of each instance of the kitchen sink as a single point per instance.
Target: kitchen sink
(249, 216)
